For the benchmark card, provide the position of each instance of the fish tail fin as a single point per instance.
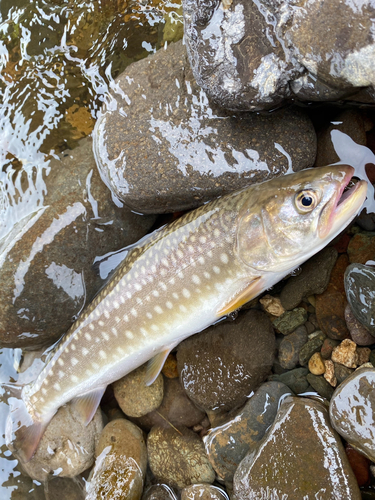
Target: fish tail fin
(23, 431)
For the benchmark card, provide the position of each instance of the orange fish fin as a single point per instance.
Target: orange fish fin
(155, 366)
(22, 432)
(87, 403)
(252, 289)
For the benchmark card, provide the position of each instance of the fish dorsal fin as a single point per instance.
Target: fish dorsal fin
(155, 366)
(251, 290)
(87, 403)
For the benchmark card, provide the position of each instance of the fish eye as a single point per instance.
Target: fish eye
(306, 201)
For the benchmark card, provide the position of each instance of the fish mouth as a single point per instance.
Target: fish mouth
(342, 208)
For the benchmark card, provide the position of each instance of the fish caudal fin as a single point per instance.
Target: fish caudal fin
(22, 432)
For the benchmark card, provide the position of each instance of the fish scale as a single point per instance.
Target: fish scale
(179, 280)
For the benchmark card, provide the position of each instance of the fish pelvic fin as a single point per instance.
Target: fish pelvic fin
(249, 292)
(23, 430)
(156, 364)
(87, 404)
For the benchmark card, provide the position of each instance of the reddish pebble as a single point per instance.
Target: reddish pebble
(342, 243)
(360, 465)
(170, 367)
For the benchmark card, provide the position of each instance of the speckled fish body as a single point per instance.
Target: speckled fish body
(180, 280)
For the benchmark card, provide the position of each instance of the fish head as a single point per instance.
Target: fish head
(288, 219)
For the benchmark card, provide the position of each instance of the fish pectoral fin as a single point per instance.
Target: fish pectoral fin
(251, 290)
(155, 366)
(87, 404)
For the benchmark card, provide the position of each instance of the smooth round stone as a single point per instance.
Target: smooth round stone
(177, 456)
(227, 444)
(221, 366)
(361, 248)
(327, 347)
(316, 364)
(312, 346)
(203, 492)
(321, 385)
(134, 397)
(358, 333)
(159, 492)
(290, 320)
(67, 446)
(352, 410)
(290, 347)
(360, 291)
(291, 461)
(121, 461)
(342, 372)
(313, 279)
(294, 379)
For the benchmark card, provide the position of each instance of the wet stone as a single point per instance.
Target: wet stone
(47, 277)
(159, 492)
(352, 410)
(294, 379)
(361, 248)
(169, 369)
(360, 465)
(346, 354)
(311, 347)
(327, 347)
(329, 373)
(222, 365)
(342, 372)
(360, 292)
(61, 488)
(290, 347)
(304, 442)
(121, 461)
(316, 364)
(363, 355)
(227, 444)
(134, 397)
(320, 385)
(290, 320)
(177, 456)
(313, 279)
(272, 305)
(203, 492)
(162, 147)
(358, 333)
(67, 445)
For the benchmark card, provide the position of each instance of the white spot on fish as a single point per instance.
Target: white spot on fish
(155, 293)
(44, 390)
(116, 304)
(60, 362)
(74, 361)
(216, 232)
(158, 309)
(216, 269)
(120, 350)
(88, 336)
(207, 275)
(57, 387)
(165, 262)
(175, 295)
(117, 319)
(210, 254)
(129, 334)
(91, 326)
(143, 332)
(195, 279)
(125, 318)
(224, 258)
(61, 374)
(182, 308)
(180, 275)
(163, 272)
(172, 281)
(85, 351)
(155, 328)
(169, 305)
(149, 315)
(129, 295)
(138, 287)
(202, 239)
(95, 365)
(101, 323)
(180, 254)
(134, 312)
(74, 378)
(114, 331)
(106, 313)
(186, 293)
(105, 335)
(201, 260)
(102, 354)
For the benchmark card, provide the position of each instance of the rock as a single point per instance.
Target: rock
(290, 347)
(360, 465)
(203, 492)
(272, 305)
(169, 369)
(164, 148)
(176, 408)
(67, 445)
(228, 444)
(361, 248)
(290, 320)
(312, 346)
(342, 372)
(304, 442)
(221, 366)
(313, 279)
(250, 56)
(363, 355)
(294, 379)
(120, 465)
(134, 397)
(352, 410)
(359, 333)
(177, 456)
(61, 488)
(327, 347)
(316, 364)
(346, 354)
(159, 492)
(320, 385)
(360, 292)
(329, 373)
(46, 276)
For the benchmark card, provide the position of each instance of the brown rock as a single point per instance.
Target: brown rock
(169, 369)
(327, 347)
(358, 332)
(329, 373)
(342, 372)
(361, 248)
(346, 354)
(272, 305)
(363, 355)
(316, 364)
(360, 465)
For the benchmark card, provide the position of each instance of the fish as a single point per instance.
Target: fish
(179, 280)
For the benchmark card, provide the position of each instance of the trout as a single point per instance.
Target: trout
(178, 281)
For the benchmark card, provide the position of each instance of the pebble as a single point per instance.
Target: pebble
(342, 372)
(352, 411)
(329, 373)
(159, 492)
(63, 488)
(290, 347)
(203, 492)
(121, 461)
(361, 248)
(304, 442)
(313, 279)
(227, 444)
(169, 369)
(360, 465)
(358, 333)
(221, 366)
(134, 397)
(67, 445)
(360, 291)
(363, 355)
(316, 364)
(177, 456)
(272, 305)
(346, 354)
(294, 379)
(327, 347)
(290, 320)
(320, 385)
(312, 346)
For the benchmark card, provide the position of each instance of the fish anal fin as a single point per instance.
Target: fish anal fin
(87, 404)
(251, 290)
(155, 366)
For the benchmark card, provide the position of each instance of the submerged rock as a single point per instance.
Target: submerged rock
(222, 365)
(159, 492)
(360, 291)
(162, 147)
(203, 492)
(290, 348)
(291, 461)
(46, 273)
(352, 410)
